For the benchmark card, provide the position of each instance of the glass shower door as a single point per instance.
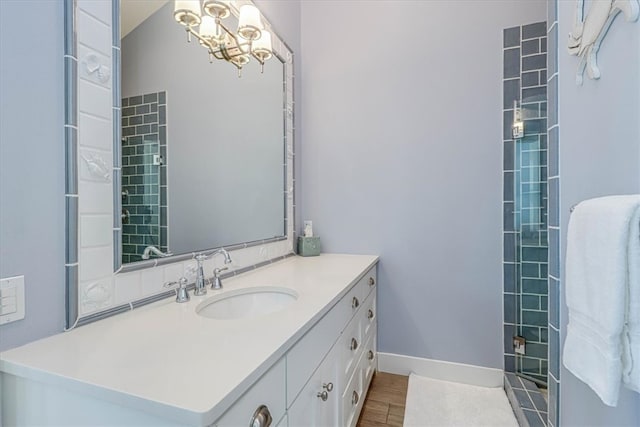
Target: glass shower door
(530, 219)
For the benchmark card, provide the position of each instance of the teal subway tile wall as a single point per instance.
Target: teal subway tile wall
(144, 175)
(554, 217)
(526, 165)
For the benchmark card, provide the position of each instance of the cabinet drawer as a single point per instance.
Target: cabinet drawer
(371, 280)
(369, 361)
(368, 318)
(352, 400)
(306, 355)
(356, 390)
(359, 293)
(349, 345)
(268, 390)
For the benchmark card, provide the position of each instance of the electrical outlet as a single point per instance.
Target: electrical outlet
(519, 344)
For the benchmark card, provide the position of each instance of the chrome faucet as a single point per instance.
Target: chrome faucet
(153, 250)
(201, 287)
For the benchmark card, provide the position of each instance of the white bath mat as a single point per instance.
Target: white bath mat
(443, 403)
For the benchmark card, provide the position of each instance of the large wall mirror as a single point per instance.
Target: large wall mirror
(202, 149)
(198, 153)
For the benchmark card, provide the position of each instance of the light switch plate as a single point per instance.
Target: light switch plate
(11, 299)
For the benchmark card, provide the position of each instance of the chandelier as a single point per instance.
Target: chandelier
(250, 40)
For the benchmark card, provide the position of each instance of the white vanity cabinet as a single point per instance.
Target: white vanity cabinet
(327, 371)
(334, 395)
(165, 365)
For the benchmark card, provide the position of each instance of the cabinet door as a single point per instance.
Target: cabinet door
(268, 391)
(318, 403)
(308, 353)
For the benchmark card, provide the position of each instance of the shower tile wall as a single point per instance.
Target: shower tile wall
(525, 199)
(554, 215)
(144, 177)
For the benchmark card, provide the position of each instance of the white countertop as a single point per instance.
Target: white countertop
(166, 360)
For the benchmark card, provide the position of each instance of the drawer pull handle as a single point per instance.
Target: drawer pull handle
(324, 395)
(355, 398)
(354, 344)
(372, 281)
(261, 418)
(370, 314)
(370, 355)
(355, 303)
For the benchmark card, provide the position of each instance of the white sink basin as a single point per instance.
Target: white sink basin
(250, 302)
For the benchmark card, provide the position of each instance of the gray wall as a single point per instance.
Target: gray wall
(402, 158)
(599, 155)
(225, 136)
(32, 165)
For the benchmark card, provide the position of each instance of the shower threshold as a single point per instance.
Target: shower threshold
(527, 399)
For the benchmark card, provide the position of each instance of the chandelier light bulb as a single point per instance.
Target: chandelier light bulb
(209, 30)
(249, 22)
(216, 8)
(262, 47)
(187, 12)
(244, 46)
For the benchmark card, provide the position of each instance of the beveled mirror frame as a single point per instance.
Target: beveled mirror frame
(92, 163)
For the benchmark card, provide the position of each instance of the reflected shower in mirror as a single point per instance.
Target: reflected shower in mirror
(203, 151)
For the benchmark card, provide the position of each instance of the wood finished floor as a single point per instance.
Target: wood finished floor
(385, 401)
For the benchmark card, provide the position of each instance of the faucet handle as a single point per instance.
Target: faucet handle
(181, 281)
(182, 294)
(216, 282)
(217, 271)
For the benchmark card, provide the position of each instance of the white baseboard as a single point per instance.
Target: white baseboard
(440, 370)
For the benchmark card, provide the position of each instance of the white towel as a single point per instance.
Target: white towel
(597, 288)
(631, 352)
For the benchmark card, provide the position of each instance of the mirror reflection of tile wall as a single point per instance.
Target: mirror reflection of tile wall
(144, 175)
